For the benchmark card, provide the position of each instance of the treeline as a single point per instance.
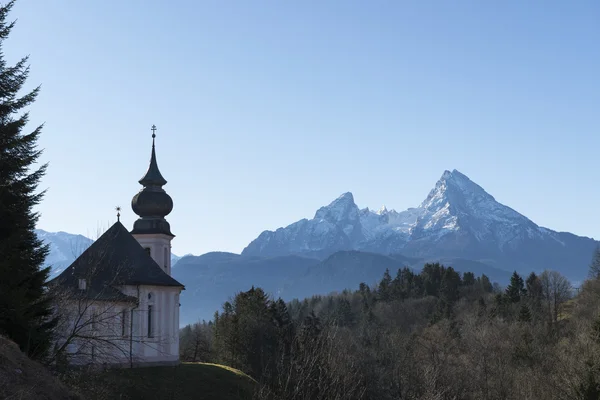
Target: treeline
(429, 335)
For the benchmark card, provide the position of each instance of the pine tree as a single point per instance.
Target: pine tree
(524, 313)
(594, 272)
(385, 286)
(468, 279)
(25, 313)
(486, 284)
(516, 289)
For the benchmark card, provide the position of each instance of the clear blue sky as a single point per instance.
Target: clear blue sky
(267, 110)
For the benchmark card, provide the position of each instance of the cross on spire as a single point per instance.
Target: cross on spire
(118, 210)
(153, 129)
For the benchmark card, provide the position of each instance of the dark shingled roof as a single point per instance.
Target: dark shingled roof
(116, 258)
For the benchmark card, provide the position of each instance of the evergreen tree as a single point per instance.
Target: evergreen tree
(408, 283)
(25, 313)
(449, 293)
(516, 288)
(524, 313)
(486, 284)
(449, 285)
(534, 286)
(385, 286)
(343, 314)
(468, 279)
(432, 278)
(594, 272)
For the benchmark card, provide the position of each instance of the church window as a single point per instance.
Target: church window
(124, 322)
(165, 258)
(148, 250)
(150, 330)
(82, 284)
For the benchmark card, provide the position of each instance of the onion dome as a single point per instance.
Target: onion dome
(152, 203)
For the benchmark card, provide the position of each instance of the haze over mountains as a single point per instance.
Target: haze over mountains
(458, 224)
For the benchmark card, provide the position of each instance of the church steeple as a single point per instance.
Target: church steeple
(153, 176)
(152, 204)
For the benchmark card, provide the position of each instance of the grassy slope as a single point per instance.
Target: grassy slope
(186, 381)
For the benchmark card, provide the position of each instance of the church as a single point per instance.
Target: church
(118, 301)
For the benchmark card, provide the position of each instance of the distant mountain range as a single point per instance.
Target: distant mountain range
(458, 219)
(458, 224)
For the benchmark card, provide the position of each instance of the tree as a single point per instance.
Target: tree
(385, 286)
(468, 279)
(516, 288)
(594, 272)
(25, 308)
(556, 290)
(486, 284)
(524, 313)
(194, 342)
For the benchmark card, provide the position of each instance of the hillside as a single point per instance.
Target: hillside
(24, 379)
(184, 382)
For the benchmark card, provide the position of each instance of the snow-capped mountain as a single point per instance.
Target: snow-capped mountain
(66, 247)
(458, 219)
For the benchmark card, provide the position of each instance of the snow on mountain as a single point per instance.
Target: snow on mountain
(458, 218)
(64, 248)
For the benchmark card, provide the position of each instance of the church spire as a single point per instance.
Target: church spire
(152, 204)
(153, 176)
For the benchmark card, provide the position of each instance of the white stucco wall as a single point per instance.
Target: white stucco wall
(163, 346)
(111, 346)
(160, 248)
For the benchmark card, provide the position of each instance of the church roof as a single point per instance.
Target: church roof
(115, 259)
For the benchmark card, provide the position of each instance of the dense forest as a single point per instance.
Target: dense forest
(436, 334)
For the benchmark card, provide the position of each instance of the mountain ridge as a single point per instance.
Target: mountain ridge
(457, 219)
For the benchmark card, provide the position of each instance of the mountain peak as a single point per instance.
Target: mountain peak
(455, 176)
(345, 197)
(454, 185)
(339, 209)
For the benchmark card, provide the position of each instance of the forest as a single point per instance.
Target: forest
(436, 334)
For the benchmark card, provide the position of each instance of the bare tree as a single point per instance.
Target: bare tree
(195, 342)
(556, 290)
(319, 368)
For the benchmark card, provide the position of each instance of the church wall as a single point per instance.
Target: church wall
(164, 345)
(110, 323)
(160, 248)
(93, 318)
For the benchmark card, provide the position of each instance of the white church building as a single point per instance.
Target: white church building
(119, 302)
